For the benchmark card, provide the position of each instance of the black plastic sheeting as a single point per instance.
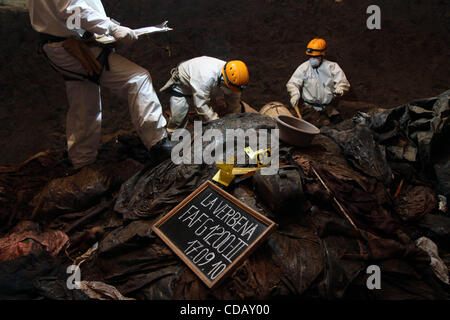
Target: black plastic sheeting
(315, 255)
(418, 133)
(151, 192)
(34, 277)
(359, 147)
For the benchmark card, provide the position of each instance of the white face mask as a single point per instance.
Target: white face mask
(315, 62)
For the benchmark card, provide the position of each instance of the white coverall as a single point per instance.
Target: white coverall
(201, 78)
(317, 85)
(125, 78)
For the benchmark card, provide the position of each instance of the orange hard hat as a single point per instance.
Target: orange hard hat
(235, 75)
(316, 47)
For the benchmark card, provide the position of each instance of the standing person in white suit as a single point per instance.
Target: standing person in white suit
(202, 79)
(87, 68)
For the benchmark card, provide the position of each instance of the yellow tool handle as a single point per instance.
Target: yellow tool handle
(298, 112)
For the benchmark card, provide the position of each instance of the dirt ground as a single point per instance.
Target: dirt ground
(406, 60)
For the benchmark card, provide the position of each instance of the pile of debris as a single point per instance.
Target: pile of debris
(369, 191)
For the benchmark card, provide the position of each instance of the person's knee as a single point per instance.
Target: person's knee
(139, 79)
(144, 74)
(179, 105)
(141, 92)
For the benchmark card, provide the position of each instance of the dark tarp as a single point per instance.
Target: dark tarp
(27, 237)
(418, 132)
(359, 147)
(152, 192)
(314, 254)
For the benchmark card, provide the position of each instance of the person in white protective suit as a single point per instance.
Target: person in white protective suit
(54, 20)
(202, 78)
(317, 81)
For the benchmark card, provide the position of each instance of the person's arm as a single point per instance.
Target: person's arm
(232, 101)
(90, 19)
(341, 83)
(294, 86)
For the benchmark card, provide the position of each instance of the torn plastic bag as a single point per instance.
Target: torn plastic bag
(339, 272)
(83, 189)
(360, 148)
(443, 177)
(406, 271)
(325, 153)
(132, 251)
(150, 193)
(439, 225)
(439, 267)
(364, 207)
(414, 202)
(281, 192)
(422, 124)
(399, 281)
(135, 261)
(101, 291)
(17, 277)
(27, 237)
(154, 285)
(73, 193)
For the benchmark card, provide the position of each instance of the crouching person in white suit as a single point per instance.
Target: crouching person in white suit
(87, 68)
(202, 79)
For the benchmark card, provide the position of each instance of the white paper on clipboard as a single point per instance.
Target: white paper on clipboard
(139, 32)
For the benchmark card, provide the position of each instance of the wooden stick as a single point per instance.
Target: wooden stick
(298, 112)
(335, 200)
(14, 168)
(93, 212)
(399, 188)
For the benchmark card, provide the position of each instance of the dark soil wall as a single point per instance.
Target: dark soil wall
(405, 60)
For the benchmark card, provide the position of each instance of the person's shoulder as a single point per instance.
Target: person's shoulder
(303, 66)
(210, 59)
(331, 64)
(206, 60)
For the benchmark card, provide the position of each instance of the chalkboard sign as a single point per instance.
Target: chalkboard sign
(212, 232)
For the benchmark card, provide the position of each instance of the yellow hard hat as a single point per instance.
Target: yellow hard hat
(235, 75)
(316, 47)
